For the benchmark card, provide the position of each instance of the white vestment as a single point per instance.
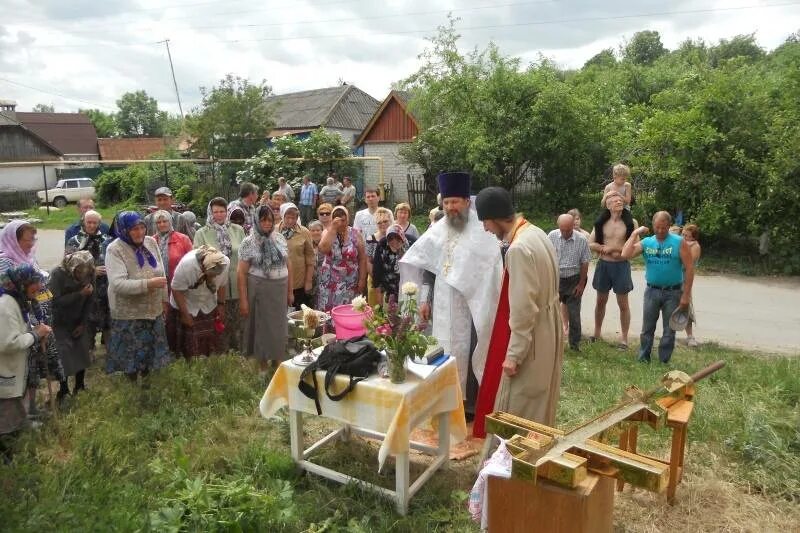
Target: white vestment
(468, 269)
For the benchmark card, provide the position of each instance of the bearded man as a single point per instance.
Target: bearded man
(458, 267)
(523, 369)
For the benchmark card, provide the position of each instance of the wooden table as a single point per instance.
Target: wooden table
(378, 409)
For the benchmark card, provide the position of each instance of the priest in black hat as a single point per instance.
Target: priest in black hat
(523, 369)
(458, 266)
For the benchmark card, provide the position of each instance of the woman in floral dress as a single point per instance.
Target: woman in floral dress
(343, 273)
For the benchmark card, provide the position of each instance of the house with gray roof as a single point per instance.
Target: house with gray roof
(345, 109)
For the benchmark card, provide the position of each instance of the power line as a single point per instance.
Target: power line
(463, 28)
(52, 93)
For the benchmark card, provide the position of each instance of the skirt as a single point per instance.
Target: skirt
(199, 339)
(137, 346)
(73, 351)
(266, 328)
(232, 336)
(12, 415)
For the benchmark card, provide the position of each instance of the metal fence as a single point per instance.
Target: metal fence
(12, 200)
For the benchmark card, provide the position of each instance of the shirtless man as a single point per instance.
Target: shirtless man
(612, 271)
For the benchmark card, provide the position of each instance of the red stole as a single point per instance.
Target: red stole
(498, 345)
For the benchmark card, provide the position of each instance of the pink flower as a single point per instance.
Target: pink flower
(385, 329)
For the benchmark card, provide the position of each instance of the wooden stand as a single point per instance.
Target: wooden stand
(518, 506)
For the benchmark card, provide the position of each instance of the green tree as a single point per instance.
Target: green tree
(644, 48)
(139, 115)
(604, 59)
(104, 123)
(44, 108)
(233, 119)
(739, 46)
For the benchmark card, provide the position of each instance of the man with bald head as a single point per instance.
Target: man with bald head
(572, 250)
(669, 273)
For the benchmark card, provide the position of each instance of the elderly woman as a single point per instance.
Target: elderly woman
(73, 285)
(302, 261)
(265, 288)
(383, 219)
(343, 273)
(386, 263)
(19, 286)
(137, 294)
(402, 215)
(199, 292)
(172, 245)
(315, 229)
(324, 212)
(237, 216)
(91, 239)
(17, 245)
(221, 233)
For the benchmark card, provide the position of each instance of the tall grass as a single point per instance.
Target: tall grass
(188, 451)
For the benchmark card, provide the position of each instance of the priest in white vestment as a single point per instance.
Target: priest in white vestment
(459, 268)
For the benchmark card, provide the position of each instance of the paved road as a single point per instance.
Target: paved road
(754, 313)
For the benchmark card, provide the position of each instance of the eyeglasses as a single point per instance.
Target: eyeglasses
(325, 214)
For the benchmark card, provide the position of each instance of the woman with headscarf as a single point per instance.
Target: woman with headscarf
(315, 229)
(343, 273)
(301, 253)
(73, 285)
(172, 246)
(17, 248)
(237, 216)
(137, 295)
(91, 239)
(199, 291)
(386, 262)
(18, 288)
(265, 282)
(221, 233)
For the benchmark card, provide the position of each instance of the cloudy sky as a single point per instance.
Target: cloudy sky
(85, 53)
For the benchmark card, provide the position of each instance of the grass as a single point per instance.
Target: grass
(191, 453)
(63, 218)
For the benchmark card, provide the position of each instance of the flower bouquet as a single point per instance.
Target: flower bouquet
(396, 328)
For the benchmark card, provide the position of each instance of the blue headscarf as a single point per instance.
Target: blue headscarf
(126, 221)
(15, 282)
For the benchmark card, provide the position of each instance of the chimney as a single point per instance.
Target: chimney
(8, 108)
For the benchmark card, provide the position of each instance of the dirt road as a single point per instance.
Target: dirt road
(753, 313)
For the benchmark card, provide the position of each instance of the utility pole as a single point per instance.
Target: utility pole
(174, 81)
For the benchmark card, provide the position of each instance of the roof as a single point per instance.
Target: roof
(401, 98)
(343, 107)
(6, 120)
(132, 148)
(70, 133)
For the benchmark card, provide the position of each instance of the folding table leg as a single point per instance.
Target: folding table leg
(296, 434)
(401, 482)
(444, 438)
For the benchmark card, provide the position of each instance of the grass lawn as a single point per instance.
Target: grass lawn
(190, 453)
(63, 218)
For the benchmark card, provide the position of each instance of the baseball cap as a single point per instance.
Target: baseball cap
(163, 191)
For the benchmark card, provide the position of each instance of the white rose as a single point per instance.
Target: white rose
(409, 288)
(359, 303)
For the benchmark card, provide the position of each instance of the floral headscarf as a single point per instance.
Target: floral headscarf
(15, 281)
(163, 238)
(126, 221)
(10, 248)
(76, 260)
(270, 253)
(211, 261)
(223, 237)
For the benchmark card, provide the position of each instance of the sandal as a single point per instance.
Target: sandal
(623, 347)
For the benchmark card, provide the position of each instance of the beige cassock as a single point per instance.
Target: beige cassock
(537, 339)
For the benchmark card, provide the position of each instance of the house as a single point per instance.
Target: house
(117, 149)
(73, 134)
(391, 127)
(345, 109)
(19, 143)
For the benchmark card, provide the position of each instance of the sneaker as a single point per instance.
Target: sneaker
(691, 342)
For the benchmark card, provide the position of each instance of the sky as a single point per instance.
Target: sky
(86, 54)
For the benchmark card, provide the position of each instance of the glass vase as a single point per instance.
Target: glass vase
(397, 366)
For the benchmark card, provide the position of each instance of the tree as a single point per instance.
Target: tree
(233, 119)
(644, 48)
(104, 123)
(739, 46)
(139, 115)
(604, 59)
(44, 108)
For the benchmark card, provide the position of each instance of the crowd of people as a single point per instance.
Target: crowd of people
(160, 286)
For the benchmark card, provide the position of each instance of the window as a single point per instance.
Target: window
(86, 182)
(72, 184)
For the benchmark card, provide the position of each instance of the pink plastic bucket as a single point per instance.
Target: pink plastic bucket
(349, 323)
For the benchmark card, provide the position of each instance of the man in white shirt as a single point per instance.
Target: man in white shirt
(286, 189)
(349, 198)
(364, 221)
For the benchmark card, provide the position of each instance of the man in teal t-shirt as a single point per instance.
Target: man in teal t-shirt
(669, 273)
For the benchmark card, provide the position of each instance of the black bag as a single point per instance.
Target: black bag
(356, 357)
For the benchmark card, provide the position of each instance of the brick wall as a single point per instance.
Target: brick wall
(395, 169)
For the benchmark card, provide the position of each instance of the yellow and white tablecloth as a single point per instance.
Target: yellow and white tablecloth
(376, 403)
